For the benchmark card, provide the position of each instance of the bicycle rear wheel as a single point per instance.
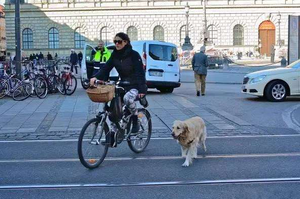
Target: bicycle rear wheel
(54, 83)
(40, 87)
(91, 147)
(22, 92)
(70, 85)
(61, 84)
(138, 143)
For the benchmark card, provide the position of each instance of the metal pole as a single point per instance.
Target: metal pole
(187, 24)
(204, 22)
(18, 39)
(279, 33)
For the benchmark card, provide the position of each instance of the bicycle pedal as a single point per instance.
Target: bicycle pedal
(104, 143)
(114, 145)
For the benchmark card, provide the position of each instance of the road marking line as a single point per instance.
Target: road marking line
(167, 138)
(289, 119)
(158, 158)
(149, 184)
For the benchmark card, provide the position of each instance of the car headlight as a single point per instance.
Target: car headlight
(257, 79)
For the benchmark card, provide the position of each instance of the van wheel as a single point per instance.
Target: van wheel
(166, 90)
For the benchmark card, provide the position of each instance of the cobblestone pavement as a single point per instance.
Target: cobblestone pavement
(62, 117)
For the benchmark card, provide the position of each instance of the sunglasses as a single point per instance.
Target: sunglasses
(118, 41)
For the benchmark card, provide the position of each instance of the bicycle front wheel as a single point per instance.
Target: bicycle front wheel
(138, 143)
(92, 148)
(3, 88)
(70, 85)
(84, 83)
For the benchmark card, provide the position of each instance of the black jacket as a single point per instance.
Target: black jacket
(129, 65)
(73, 58)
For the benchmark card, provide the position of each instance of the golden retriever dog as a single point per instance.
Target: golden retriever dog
(190, 133)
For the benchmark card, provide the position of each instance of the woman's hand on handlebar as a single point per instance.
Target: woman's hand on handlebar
(94, 81)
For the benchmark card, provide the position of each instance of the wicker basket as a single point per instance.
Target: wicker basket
(103, 93)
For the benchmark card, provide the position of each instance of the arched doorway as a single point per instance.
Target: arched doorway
(266, 37)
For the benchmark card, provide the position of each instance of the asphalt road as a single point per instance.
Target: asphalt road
(252, 166)
(260, 165)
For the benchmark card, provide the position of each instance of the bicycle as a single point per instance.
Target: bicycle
(69, 81)
(96, 137)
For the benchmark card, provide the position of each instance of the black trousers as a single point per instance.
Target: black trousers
(74, 66)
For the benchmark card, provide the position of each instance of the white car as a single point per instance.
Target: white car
(274, 84)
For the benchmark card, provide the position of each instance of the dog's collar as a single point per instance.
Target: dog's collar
(190, 142)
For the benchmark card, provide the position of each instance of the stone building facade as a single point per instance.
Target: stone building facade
(237, 25)
(2, 32)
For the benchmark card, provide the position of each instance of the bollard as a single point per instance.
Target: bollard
(283, 62)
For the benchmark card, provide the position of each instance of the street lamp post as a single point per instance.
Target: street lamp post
(187, 41)
(204, 23)
(18, 38)
(279, 33)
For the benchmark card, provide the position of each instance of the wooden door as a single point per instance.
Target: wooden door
(267, 37)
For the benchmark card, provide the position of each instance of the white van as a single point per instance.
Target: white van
(160, 60)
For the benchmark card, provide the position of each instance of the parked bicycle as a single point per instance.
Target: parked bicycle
(69, 81)
(17, 89)
(96, 136)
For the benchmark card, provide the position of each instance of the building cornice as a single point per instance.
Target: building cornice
(36, 8)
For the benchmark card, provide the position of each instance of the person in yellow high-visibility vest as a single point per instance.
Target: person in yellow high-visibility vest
(101, 56)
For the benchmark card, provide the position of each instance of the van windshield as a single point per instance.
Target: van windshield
(163, 53)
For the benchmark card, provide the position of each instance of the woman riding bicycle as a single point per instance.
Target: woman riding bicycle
(129, 65)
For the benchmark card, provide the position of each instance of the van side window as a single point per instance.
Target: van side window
(156, 52)
(163, 53)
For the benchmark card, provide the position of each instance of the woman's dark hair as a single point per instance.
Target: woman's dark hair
(123, 36)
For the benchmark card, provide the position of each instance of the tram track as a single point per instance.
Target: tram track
(151, 184)
(216, 156)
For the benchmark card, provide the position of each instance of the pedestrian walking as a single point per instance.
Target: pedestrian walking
(272, 53)
(73, 60)
(200, 64)
(80, 58)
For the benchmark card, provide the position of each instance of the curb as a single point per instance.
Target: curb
(207, 82)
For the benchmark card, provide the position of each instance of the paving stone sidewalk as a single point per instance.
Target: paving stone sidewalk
(62, 117)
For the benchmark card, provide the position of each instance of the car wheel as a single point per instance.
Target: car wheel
(166, 90)
(276, 91)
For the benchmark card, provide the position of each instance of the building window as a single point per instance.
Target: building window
(105, 35)
(79, 38)
(182, 34)
(158, 33)
(238, 35)
(53, 35)
(212, 33)
(132, 33)
(27, 38)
